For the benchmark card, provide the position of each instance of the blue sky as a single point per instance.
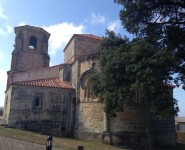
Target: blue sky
(61, 18)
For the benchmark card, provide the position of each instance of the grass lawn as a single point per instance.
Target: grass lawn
(58, 142)
(65, 143)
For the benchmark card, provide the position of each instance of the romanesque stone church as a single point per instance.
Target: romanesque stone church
(58, 100)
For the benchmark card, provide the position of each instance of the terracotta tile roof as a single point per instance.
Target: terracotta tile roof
(91, 36)
(51, 82)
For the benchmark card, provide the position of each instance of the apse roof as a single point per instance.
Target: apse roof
(50, 82)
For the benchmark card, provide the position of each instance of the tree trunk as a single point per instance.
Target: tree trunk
(148, 127)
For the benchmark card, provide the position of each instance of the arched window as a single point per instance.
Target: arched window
(88, 93)
(33, 42)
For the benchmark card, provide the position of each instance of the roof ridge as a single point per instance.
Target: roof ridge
(55, 82)
(89, 36)
(37, 79)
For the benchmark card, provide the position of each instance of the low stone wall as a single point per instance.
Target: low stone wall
(181, 137)
(163, 131)
(39, 127)
(129, 139)
(88, 136)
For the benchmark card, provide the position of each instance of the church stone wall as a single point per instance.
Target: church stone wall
(49, 72)
(65, 72)
(69, 52)
(91, 117)
(90, 121)
(86, 45)
(28, 61)
(164, 131)
(32, 106)
(89, 124)
(75, 74)
(132, 119)
(128, 128)
(7, 104)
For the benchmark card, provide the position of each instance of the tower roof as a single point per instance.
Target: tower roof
(31, 27)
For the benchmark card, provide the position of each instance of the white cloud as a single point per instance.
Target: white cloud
(5, 27)
(9, 28)
(61, 34)
(3, 77)
(2, 15)
(97, 19)
(114, 26)
(22, 23)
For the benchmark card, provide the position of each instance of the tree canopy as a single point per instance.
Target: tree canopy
(161, 22)
(132, 71)
(152, 60)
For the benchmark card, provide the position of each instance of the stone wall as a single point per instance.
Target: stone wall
(65, 72)
(89, 114)
(90, 121)
(80, 45)
(90, 117)
(7, 100)
(69, 51)
(28, 61)
(49, 72)
(85, 45)
(132, 119)
(36, 106)
(181, 137)
(128, 128)
(164, 131)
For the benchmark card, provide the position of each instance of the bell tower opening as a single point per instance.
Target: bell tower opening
(33, 42)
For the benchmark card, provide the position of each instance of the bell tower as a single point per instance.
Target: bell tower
(30, 49)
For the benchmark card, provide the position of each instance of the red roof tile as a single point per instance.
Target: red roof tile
(51, 82)
(89, 36)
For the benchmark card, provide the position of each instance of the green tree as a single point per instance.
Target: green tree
(112, 82)
(131, 71)
(160, 22)
(131, 67)
(144, 67)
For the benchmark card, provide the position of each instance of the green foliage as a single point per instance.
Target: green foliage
(109, 85)
(130, 67)
(160, 22)
(156, 57)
